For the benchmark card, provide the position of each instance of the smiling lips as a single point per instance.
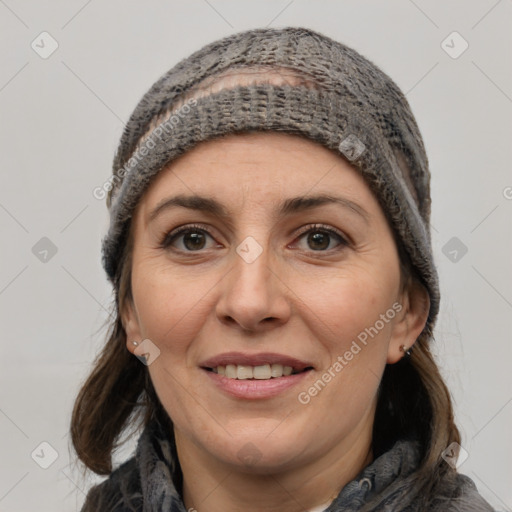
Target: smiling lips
(261, 372)
(255, 376)
(236, 365)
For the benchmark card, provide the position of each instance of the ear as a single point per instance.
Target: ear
(410, 321)
(131, 325)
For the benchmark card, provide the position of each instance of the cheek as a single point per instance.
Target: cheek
(343, 307)
(171, 308)
(354, 315)
(346, 319)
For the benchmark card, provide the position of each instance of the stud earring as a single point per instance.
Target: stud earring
(405, 350)
(134, 343)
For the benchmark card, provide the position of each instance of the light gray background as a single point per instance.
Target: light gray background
(61, 119)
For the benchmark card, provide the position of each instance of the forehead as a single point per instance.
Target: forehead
(263, 164)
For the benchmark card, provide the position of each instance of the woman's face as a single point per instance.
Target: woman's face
(255, 256)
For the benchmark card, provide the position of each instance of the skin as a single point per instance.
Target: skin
(305, 296)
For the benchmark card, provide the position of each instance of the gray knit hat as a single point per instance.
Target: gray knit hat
(344, 102)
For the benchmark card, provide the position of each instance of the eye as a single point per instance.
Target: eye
(321, 238)
(188, 239)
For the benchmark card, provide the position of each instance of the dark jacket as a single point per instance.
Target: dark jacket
(148, 483)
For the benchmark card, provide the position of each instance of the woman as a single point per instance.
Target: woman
(269, 248)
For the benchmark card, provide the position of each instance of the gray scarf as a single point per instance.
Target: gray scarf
(146, 483)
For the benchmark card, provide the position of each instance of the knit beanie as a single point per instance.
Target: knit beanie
(341, 100)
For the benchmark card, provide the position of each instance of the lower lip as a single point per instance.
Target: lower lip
(254, 389)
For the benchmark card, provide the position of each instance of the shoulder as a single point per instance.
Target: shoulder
(120, 492)
(461, 495)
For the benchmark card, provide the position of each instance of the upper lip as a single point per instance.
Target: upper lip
(239, 358)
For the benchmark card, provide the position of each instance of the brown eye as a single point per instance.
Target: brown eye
(194, 241)
(188, 239)
(318, 241)
(321, 239)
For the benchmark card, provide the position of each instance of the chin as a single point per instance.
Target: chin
(258, 453)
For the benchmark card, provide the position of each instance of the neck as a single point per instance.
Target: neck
(218, 487)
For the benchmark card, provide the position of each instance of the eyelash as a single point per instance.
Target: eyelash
(171, 236)
(322, 228)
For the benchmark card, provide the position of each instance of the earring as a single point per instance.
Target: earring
(135, 343)
(405, 350)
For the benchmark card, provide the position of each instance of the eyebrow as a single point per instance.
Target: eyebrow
(289, 206)
(298, 204)
(204, 204)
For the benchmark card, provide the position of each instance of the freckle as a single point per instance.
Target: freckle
(372, 299)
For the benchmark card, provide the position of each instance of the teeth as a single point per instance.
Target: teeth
(262, 372)
(276, 370)
(244, 372)
(231, 371)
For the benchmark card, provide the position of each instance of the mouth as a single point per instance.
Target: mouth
(255, 376)
(260, 372)
(267, 366)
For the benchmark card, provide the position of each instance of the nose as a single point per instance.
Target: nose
(253, 296)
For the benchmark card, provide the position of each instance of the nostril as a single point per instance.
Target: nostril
(250, 326)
